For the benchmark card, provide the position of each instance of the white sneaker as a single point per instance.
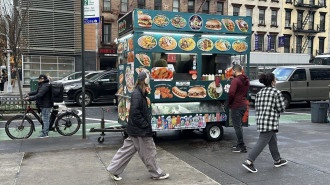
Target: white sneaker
(115, 177)
(162, 176)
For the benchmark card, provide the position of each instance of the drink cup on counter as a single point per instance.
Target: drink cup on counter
(217, 80)
(157, 94)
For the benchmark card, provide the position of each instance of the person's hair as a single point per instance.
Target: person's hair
(267, 79)
(142, 85)
(237, 68)
(162, 55)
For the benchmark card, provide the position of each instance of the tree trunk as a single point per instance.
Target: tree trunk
(19, 82)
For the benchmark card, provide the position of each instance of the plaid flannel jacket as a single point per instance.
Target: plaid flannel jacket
(268, 105)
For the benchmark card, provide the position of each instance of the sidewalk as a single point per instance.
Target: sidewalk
(72, 160)
(15, 90)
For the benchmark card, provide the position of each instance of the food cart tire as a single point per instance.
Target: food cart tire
(100, 139)
(213, 131)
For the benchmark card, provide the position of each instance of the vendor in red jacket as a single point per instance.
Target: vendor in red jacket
(237, 103)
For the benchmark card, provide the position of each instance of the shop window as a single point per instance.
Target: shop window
(106, 5)
(206, 7)
(176, 5)
(220, 8)
(107, 33)
(158, 4)
(191, 6)
(124, 6)
(141, 4)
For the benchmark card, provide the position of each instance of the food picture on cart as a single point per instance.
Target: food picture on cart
(187, 44)
(140, 69)
(129, 77)
(122, 109)
(167, 43)
(197, 92)
(179, 93)
(121, 78)
(143, 59)
(242, 25)
(130, 44)
(147, 42)
(120, 90)
(163, 93)
(161, 74)
(130, 57)
(125, 45)
(222, 45)
(213, 92)
(195, 22)
(205, 44)
(144, 20)
(178, 22)
(229, 73)
(161, 20)
(240, 46)
(120, 48)
(229, 24)
(213, 25)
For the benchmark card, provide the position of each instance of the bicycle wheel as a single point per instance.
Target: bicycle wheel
(67, 123)
(19, 127)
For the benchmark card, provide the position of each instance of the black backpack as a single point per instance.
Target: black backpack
(57, 92)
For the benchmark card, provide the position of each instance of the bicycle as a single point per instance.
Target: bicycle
(22, 126)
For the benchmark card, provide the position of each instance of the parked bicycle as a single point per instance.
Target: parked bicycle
(22, 126)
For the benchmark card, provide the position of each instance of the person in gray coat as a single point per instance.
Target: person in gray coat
(139, 132)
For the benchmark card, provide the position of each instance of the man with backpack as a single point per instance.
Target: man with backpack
(43, 96)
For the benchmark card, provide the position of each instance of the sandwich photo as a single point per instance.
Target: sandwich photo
(120, 90)
(213, 25)
(144, 20)
(197, 92)
(121, 78)
(179, 93)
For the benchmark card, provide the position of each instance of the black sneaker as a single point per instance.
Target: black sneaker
(282, 162)
(239, 150)
(235, 146)
(162, 176)
(250, 167)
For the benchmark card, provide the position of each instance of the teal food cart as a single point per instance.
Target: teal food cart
(187, 57)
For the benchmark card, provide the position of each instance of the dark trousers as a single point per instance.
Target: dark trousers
(236, 117)
(2, 85)
(264, 139)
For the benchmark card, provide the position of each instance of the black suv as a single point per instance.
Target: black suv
(99, 88)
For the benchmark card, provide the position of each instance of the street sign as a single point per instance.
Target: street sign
(91, 12)
(91, 20)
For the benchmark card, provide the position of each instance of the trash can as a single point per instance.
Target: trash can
(319, 111)
(33, 84)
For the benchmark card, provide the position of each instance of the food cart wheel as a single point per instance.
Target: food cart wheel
(213, 131)
(100, 139)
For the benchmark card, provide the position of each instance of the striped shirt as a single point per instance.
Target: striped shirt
(268, 105)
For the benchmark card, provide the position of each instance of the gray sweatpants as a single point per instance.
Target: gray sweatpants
(146, 148)
(264, 139)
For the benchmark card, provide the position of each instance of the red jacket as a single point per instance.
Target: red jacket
(238, 91)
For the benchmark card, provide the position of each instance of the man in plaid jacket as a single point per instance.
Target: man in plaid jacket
(268, 105)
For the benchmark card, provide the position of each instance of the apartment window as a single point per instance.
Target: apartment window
(311, 2)
(206, 7)
(158, 5)
(287, 43)
(300, 1)
(322, 21)
(310, 45)
(141, 4)
(262, 16)
(288, 18)
(273, 43)
(298, 44)
(322, 2)
(261, 42)
(288, 1)
(191, 6)
(107, 33)
(249, 12)
(123, 5)
(321, 45)
(311, 22)
(236, 11)
(220, 8)
(176, 5)
(300, 19)
(106, 5)
(274, 18)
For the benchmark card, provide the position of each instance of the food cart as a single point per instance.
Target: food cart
(191, 92)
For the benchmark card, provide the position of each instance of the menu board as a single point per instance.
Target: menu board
(189, 22)
(165, 42)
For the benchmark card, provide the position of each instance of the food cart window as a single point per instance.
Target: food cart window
(181, 64)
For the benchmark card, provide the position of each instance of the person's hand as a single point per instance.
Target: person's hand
(26, 98)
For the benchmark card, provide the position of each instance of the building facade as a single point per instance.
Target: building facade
(306, 26)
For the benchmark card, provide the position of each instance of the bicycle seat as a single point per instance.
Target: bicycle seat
(55, 107)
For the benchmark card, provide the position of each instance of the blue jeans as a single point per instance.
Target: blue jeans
(45, 115)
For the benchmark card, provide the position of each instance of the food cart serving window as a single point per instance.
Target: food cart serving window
(188, 57)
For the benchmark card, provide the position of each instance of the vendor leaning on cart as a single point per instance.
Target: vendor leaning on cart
(237, 103)
(139, 132)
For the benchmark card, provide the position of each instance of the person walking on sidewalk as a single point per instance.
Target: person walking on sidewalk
(2, 81)
(238, 104)
(268, 105)
(44, 102)
(13, 77)
(139, 132)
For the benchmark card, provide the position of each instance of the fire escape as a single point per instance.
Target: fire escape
(301, 26)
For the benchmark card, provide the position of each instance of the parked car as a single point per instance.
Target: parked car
(100, 88)
(299, 83)
(77, 77)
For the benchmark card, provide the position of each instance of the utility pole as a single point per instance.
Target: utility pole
(83, 68)
(9, 87)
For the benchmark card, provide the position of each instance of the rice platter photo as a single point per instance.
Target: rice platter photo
(178, 22)
(205, 44)
(211, 90)
(167, 43)
(161, 20)
(147, 42)
(222, 45)
(187, 44)
(240, 46)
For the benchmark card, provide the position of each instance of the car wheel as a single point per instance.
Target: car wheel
(88, 99)
(287, 100)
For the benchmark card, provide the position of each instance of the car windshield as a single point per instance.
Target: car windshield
(282, 74)
(93, 78)
(73, 76)
(90, 75)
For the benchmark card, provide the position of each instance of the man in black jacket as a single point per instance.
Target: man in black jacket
(43, 96)
(140, 135)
